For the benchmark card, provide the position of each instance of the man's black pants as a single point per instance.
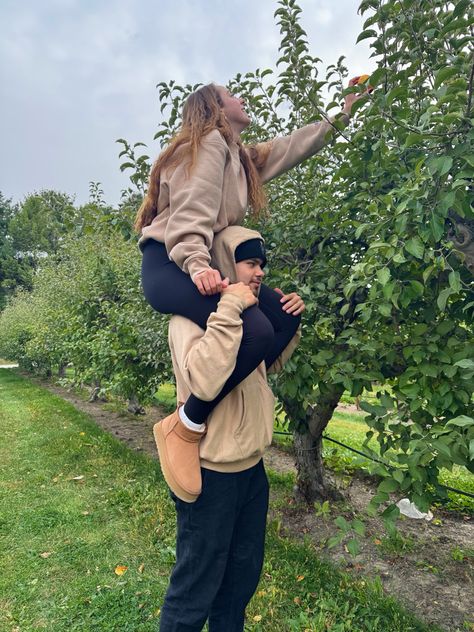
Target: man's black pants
(219, 552)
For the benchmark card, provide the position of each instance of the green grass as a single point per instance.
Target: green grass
(166, 397)
(75, 504)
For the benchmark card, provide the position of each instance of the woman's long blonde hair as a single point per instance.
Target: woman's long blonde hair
(202, 112)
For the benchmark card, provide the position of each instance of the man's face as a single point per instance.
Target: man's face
(249, 271)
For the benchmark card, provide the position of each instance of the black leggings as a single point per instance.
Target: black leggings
(267, 329)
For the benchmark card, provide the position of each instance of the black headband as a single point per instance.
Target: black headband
(251, 249)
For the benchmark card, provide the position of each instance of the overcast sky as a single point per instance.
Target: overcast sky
(78, 74)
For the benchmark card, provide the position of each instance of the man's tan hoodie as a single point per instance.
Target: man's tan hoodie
(241, 425)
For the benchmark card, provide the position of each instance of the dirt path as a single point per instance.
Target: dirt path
(421, 571)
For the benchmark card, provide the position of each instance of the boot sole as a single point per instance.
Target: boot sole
(175, 487)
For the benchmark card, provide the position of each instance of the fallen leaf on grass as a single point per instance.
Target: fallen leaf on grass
(377, 542)
(300, 578)
(297, 601)
(77, 478)
(257, 618)
(141, 568)
(120, 570)
(45, 554)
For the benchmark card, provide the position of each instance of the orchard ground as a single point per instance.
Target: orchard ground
(428, 566)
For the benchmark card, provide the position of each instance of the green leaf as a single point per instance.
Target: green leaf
(388, 290)
(420, 329)
(469, 158)
(342, 523)
(462, 420)
(441, 165)
(377, 411)
(443, 74)
(366, 34)
(428, 369)
(461, 6)
(444, 326)
(126, 165)
(383, 275)
(455, 281)
(388, 485)
(358, 526)
(465, 363)
(376, 76)
(385, 309)
(415, 247)
(391, 513)
(399, 258)
(396, 92)
(437, 226)
(443, 298)
(410, 390)
(334, 541)
(353, 547)
(417, 288)
(413, 138)
(455, 25)
(398, 475)
(441, 447)
(322, 357)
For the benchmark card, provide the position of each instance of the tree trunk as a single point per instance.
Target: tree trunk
(62, 370)
(134, 405)
(313, 483)
(94, 393)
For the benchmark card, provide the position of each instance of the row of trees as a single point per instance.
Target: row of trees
(374, 231)
(37, 228)
(87, 310)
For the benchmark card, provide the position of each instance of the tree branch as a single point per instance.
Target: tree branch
(471, 81)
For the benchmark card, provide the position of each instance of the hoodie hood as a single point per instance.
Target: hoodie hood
(224, 246)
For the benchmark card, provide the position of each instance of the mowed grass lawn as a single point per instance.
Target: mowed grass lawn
(87, 533)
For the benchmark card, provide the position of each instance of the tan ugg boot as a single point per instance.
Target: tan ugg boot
(178, 449)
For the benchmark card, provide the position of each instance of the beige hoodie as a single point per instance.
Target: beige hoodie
(241, 425)
(193, 207)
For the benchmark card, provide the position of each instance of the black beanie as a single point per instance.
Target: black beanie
(251, 249)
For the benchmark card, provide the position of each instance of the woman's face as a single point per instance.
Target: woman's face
(233, 108)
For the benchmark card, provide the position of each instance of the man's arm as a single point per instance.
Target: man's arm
(206, 359)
